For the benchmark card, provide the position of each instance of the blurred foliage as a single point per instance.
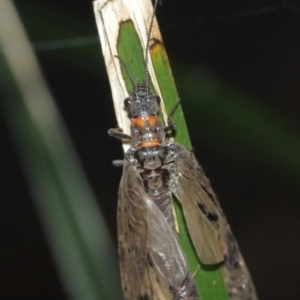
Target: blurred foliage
(76, 232)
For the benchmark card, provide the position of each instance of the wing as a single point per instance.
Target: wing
(132, 236)
(208, 227)
(200, 207)
(151, 259)
(236, 275)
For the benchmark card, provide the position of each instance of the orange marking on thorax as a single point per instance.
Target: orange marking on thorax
(150, 143)
(152, 120)
(142, 123)
(142, 120)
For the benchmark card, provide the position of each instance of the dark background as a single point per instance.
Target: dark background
(251, 46)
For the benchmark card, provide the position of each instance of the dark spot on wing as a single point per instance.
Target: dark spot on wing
(210, 216)
(173, 290)
(150, 262)
(143, 297)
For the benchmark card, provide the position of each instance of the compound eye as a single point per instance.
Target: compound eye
(157, 99)
(127, 102)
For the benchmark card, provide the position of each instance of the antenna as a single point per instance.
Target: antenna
(147, 49)
(135, 83)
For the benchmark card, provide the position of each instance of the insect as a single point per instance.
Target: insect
(153, 265)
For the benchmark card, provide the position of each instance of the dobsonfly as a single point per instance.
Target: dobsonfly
(153, 265)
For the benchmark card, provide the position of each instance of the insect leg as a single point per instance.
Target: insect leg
(187, 289)
(118, 134)
(171, 124)
(196, 271)
(118, 162)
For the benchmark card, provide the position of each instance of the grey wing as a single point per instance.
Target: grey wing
(201, 211)
(130, 246)
(164, 249)
(151, 259)
(236, 275)
(208, 227)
